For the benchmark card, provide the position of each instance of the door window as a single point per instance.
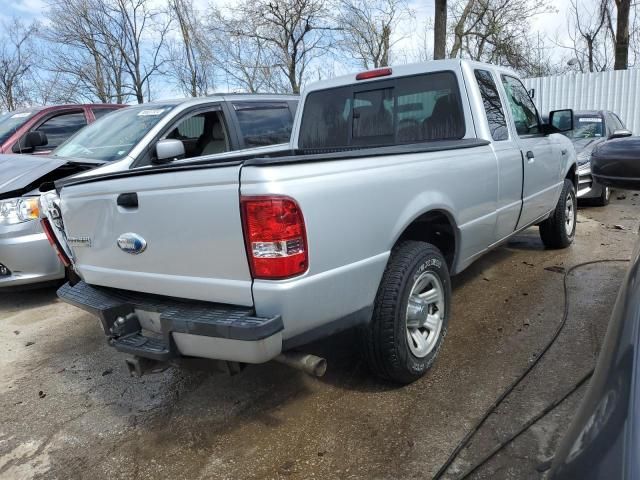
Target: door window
(202, 134)
(61, 127)
(523, 110)
(492, 105)
(615, 115)
(264, 125)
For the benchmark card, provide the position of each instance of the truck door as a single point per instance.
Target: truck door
(541, 163)
(507, 151)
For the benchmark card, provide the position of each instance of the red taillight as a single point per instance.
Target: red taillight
(378, 72)
(275, 236)
(48, 231)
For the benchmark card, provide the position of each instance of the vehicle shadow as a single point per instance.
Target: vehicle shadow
(16, 299)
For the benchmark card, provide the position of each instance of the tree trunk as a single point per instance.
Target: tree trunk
(622, 35)
(458, 31)
(440, 30)
(386, 46)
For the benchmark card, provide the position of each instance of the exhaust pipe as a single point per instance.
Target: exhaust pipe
(305, 362)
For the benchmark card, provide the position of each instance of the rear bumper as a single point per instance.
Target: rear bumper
(27, 256)
(162, 328)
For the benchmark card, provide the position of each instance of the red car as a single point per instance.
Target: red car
(39, 130)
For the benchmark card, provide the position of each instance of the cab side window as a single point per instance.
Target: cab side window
(61, 127)
(492, 105)
(523, 110)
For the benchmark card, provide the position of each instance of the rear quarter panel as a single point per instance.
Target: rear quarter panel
(356, 209)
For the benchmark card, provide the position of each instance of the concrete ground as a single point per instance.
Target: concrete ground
(68, 408)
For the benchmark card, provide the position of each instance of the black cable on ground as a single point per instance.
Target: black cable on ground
(467, 438)
(526, 426)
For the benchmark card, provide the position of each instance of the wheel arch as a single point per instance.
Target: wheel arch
(572, 174)
(438, 227)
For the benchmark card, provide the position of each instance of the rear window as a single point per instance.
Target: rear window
(416, 109)
(264, 125)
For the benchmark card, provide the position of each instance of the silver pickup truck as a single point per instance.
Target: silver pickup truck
(395, 179)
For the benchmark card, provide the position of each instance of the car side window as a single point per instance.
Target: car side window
(615, 123)
(522, 107)
(61, 127)
(615, 115)
(101, 112)
(262, 125)
(492, 105)
(203, 133)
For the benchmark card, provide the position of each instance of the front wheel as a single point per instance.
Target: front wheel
(410, 315)
(603, 199)
(559, 230)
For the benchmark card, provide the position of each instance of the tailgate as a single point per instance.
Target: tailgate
(176, 232)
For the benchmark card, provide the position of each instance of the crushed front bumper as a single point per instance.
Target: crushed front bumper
(161, 328)
(26, 256)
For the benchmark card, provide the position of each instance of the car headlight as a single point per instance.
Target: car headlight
(18, 210)
(583, 158)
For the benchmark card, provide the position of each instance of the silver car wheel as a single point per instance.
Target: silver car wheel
(569, 214)
(607, 193)
(425, 313)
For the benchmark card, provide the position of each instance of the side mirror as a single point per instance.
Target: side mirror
(616, 164)
(168, 150)
(30, 141)
(620, 133)
(561, 120)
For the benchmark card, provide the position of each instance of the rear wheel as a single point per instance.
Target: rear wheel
(559, 230)
(410, 315)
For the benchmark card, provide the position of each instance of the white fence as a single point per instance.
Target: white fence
(618, 91)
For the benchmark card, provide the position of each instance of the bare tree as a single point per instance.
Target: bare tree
(498, 31)
(589, 33)
(369, 29)
(138, 32)
(440, 30)
(79, 55)
(292, 33)
(17, 62)
(589, 28)
(191, 57)
(246, 62)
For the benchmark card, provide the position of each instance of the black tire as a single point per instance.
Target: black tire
(553, 231)
(603, 199)
(385, 339)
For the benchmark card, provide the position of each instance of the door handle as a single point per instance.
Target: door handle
(128, 200)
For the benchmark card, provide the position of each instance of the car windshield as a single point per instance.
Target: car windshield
(587, 126)
(113, 136)
(11, 121)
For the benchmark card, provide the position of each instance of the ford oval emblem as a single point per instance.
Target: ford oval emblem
(132, 243)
